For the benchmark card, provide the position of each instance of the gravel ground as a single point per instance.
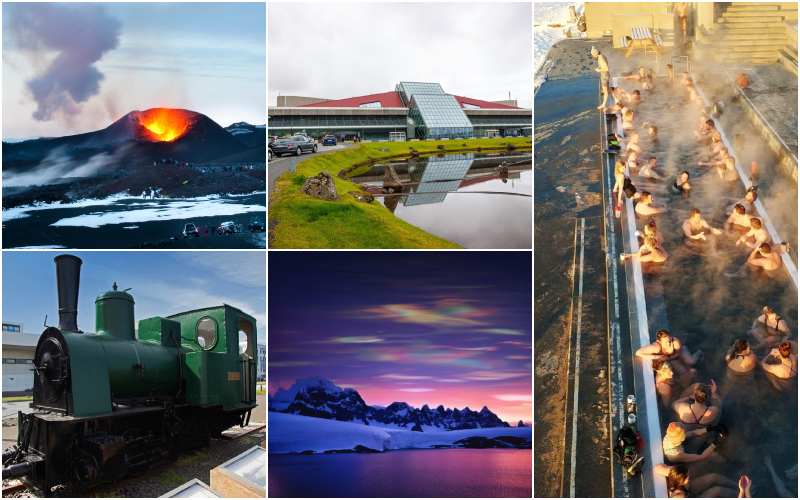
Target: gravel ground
(186, 468)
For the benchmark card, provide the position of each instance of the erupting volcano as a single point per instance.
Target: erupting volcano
(164, 124)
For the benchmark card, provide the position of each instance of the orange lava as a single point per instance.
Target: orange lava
(165, 124)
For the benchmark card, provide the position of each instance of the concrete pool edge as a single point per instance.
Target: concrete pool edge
(640, 329)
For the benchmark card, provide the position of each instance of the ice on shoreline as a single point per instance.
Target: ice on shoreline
(296, 433)
(544, 37)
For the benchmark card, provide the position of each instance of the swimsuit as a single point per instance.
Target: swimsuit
(679, 489)
(696, 418)
(671, 449)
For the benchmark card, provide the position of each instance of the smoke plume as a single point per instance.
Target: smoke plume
(59, 167)
(82, 33)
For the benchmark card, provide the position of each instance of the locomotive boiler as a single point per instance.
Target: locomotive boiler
(111, 404)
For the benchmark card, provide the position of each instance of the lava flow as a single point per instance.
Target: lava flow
(165, 124)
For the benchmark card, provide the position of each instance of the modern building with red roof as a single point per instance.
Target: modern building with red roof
(414, 110)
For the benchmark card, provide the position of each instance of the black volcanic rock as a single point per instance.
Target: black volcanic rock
(520, 424)
(347, 406)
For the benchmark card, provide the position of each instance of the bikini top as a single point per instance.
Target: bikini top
(696, 418)
(777, 322)
(792, 371)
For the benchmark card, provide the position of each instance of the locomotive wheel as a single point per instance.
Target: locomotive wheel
(85, 470)
(137, 453)
(193, 434)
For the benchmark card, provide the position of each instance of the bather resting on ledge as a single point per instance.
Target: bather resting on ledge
(650, 229)
(668, 348)
(780, 365)
(741, 362)
(692, 407)
(648, 252)
(664, 381)
(769, 328)
(727, 172)
(761, 259)
(633, 144)
(674, 441)
(718, 160)
(699, 235)
(706, 486)
(747, 202)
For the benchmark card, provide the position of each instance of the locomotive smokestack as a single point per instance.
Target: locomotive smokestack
(68, 274)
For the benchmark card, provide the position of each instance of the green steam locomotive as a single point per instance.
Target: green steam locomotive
(110, 405)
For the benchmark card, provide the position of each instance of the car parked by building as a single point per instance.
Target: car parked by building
(329, 140)
(293, 145)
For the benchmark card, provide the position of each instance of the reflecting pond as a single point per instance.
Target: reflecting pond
(463, 197)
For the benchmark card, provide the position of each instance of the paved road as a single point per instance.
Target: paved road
(278, 166)
(10, 408)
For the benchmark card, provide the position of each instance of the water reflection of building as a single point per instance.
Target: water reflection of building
(433, 177)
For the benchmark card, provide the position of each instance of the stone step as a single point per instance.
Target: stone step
(782, 5)
(789, 60)
(751, 13)
(750, 48)
(752, 8)
(750, 24)
(754, 41)
(767, 54)
(753, 60)
(751, 31)
(750, 19)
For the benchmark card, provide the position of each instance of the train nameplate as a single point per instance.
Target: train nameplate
(234, 376)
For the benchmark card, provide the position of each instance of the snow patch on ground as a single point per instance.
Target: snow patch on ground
(37, 247)
(295, 433)
(22, 211)
(261, 126)
(167, 210)
(544, 37)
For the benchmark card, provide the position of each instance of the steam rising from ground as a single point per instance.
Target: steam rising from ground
(58, 167)
(82, 33)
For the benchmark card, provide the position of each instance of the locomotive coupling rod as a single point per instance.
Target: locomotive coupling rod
(17, 470)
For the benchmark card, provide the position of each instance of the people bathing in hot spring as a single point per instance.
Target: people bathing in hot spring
(696, 409)
(761, 259)
(705, 486)
(769, 328)
(674, 447)
(781, 364)
(668, 348)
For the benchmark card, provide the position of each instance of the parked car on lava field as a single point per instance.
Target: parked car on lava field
(329, 140)
(257, 224)
(227, 228)
(191, 229)
(293, 145)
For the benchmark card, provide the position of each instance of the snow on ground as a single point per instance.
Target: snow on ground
(37, 247)
(544, 37)
(22, 211)
(167, 210)
(295, 433)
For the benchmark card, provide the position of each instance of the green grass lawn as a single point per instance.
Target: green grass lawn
(306, 222)
(19, 398)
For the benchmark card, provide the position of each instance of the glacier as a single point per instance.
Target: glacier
(295, 434)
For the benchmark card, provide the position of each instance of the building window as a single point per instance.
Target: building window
(10, 361)
(10, 328)
(376, 104)
(470, 106)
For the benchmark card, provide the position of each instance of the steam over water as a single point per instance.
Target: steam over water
(708, 311)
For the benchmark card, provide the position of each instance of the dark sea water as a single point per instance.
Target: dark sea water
(404, 473)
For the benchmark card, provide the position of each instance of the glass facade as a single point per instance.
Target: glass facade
(439, 116)
(436, 175)
(505, 125)
(376, 104)
(471, 106)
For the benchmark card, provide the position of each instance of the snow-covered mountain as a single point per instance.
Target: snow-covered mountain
(284, 397)
(252, 135)
(319, 398)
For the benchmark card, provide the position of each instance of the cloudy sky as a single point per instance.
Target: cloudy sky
(163, 283)
(77, 67)
(479, 50)
(435, 328)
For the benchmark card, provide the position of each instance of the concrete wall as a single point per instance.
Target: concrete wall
(705, 14)
(791, 33)
(599, 16)
(287, 101)
(507, 102)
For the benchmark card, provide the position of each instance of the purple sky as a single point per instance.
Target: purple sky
(435, 328)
